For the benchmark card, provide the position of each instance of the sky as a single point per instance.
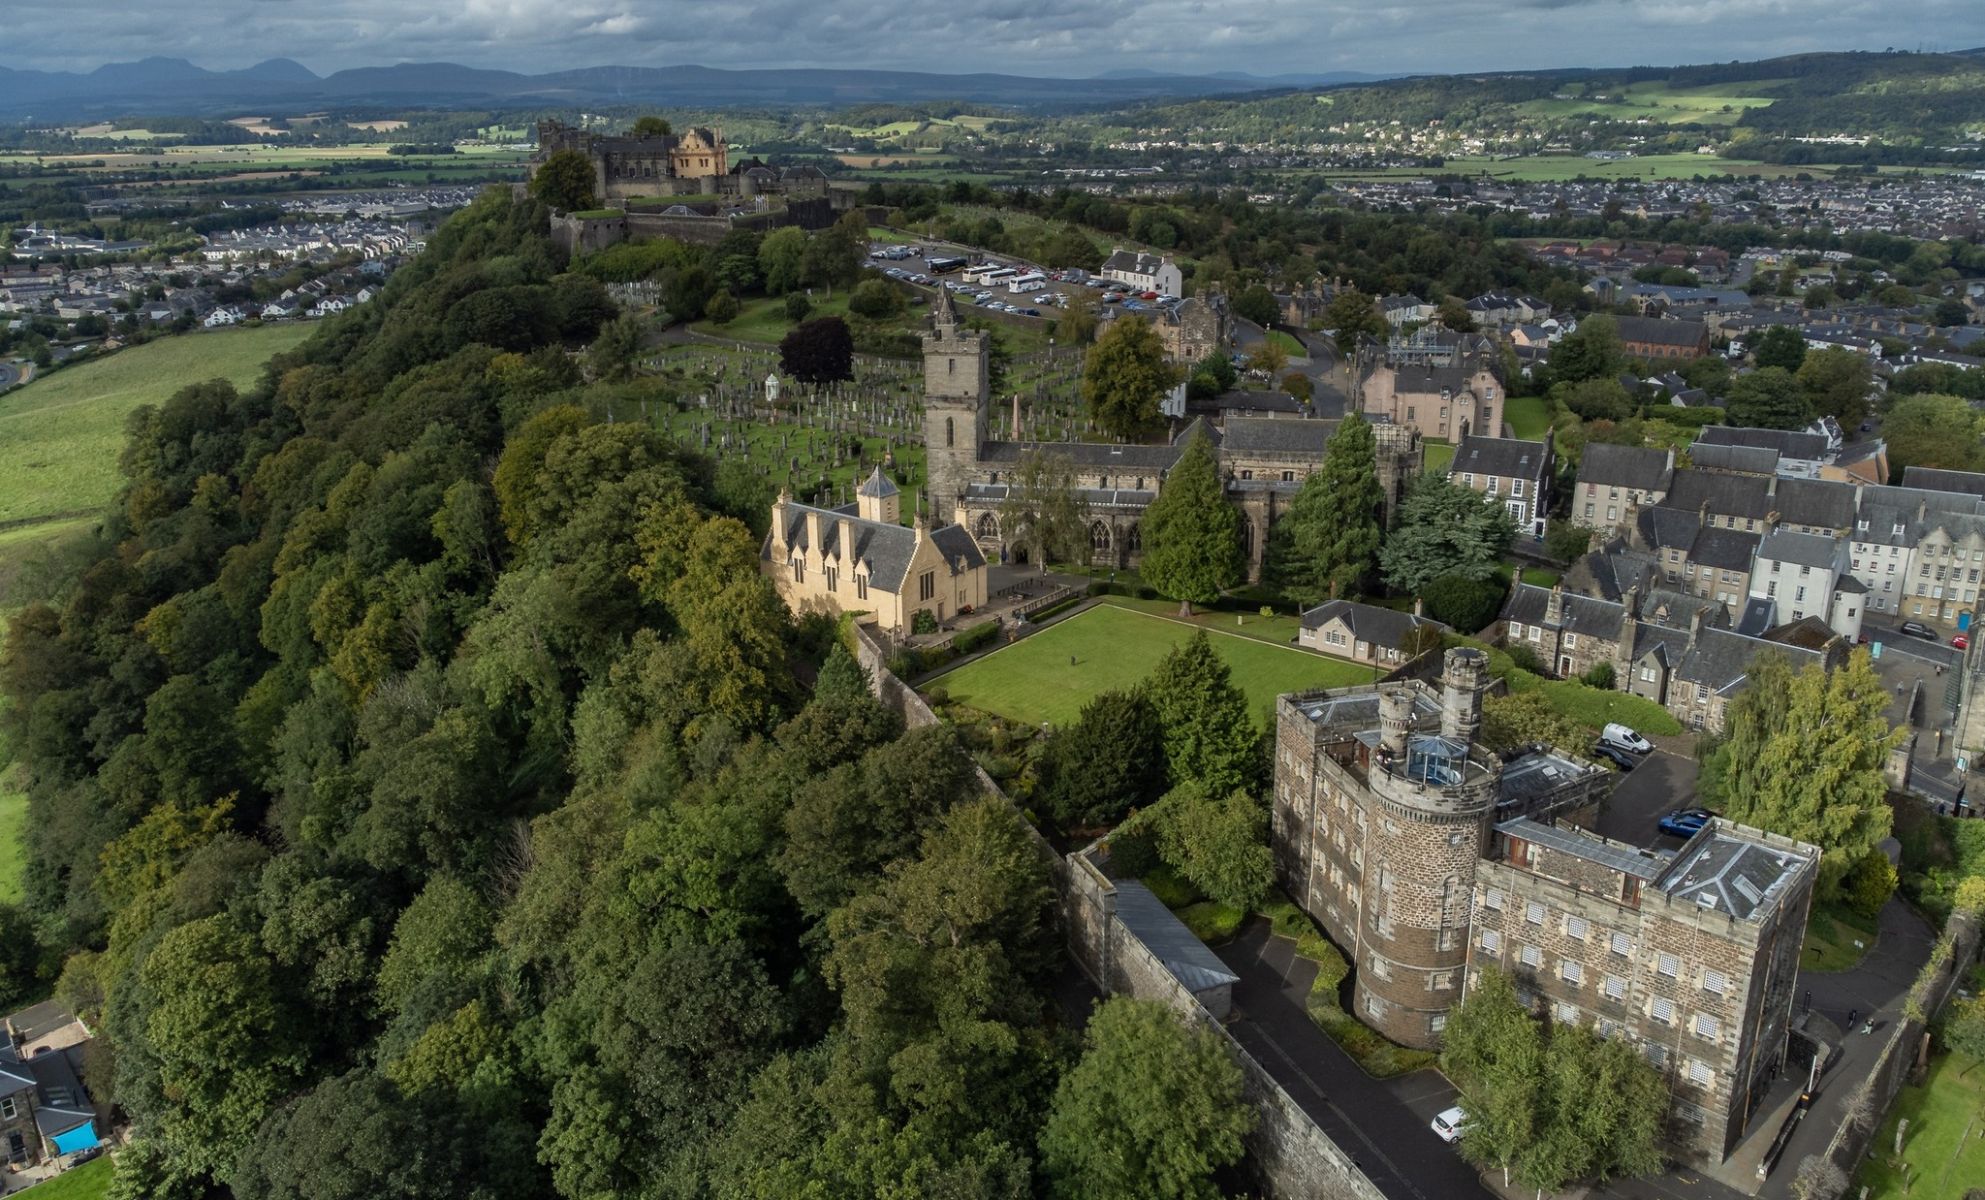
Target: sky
(1027, 37)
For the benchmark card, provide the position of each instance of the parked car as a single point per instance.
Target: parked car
(1616, 756)
(1961, 642)
(1623, 737)
(1449, 1123)
(1917, 629)
(1685, 822)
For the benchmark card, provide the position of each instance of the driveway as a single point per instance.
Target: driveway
(1381, 1124)
(1664, 781)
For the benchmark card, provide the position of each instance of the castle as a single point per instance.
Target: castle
(693, 163)
(1428, 857)
(1263, 460)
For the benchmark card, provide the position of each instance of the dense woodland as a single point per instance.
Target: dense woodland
(429, 797)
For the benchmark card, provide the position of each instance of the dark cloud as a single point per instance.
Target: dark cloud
(1062, 37)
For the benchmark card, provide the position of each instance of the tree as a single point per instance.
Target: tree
(1268, 358)
(1522, 718)
(875, 299)
(1220, 845)
(1949, 311)
(1044, 511)
(797, 307)
(1445, 529)
(1191, 535)
(1112, 759)
(1153, 1109)
(613, 353)
(1780, 346)
(564, 181)
(1256, 303)
(1495, 1052)
(1768, 398)
(1077, 322)
(1210, 739)
(1464, 603)
(818, 351)
(1803, 754)
(1593, 351)
(1350, 314)
(1964, 1027)
(1566, 541)
(650, 126)
(1599, 399)
(687, 291)
(1123, 377)
(781, 257)
(1933, 431)
(1837, 382)
(1819, 1178)
(1298, 385)
(722, 308)
(1329, 537)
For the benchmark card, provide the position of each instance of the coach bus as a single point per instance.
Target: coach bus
(943, 266)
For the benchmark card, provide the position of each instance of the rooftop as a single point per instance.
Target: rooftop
(1646, 864)
(1730, 869)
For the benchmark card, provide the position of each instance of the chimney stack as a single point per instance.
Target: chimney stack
(847, 539)
(814, 541)
(1554, 608)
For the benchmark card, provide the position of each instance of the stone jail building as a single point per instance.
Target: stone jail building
(1424, 856)
(1263, 460)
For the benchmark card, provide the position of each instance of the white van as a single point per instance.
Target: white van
(1623, 737)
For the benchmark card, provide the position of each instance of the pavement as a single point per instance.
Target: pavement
(1664, 781)
(1382, 1124)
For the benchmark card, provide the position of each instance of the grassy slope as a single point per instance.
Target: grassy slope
(1112, 648)
(88, 1182)
(1528, 417)
(1942, 1150)
(60, 435)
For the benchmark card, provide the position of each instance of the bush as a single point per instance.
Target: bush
(1523, 658)
(937, 697)
(1600, 676)
(798, 307)
(1211, 921)
(1146, 592)
(721, 308)
(875, 299)
(1870, 884)
(976, 637)
(924, 622)
(1566, 542)
(1466, 604)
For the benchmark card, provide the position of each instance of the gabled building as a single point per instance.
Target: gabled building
(44, 1110)
(1514, 472)
(1364, 633)
(1144, 272)
(1615, 480)
(1444, 385)
(1657, 338)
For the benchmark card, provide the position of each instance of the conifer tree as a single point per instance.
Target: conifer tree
(1330, 536)
(1192, 546)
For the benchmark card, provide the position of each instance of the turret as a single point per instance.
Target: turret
(1461, 694)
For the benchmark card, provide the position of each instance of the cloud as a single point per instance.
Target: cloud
(1062, 37)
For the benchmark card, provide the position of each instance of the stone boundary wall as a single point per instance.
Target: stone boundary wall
(1294, 1159)
(1891, 1069)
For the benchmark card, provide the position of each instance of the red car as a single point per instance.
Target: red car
(1961, 642)
(1147, 295)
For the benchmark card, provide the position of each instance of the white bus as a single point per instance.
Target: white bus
(1033, 281)
(986, 272)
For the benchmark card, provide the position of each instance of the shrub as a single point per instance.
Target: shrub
(721, 308)
(1466, 604)
(976, 637)
(1565, 541)
(1600, 676)
(798, 307)
(937, 697)
(1869, 885)
(1146, 592)
(924, 622)
(1523, 658)
(875, 299)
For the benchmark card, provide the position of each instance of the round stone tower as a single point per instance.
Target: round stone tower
(1427, 817)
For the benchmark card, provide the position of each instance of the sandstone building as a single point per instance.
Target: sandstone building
(1445, 385)
(1425, 856)
(1263, 460)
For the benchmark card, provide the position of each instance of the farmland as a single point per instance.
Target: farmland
(60, 435)
(1655, 100)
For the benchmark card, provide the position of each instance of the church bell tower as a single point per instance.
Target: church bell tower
(957, 398)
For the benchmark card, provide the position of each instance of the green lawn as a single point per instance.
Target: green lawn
(87, 1182)
(1830, 936)
(1528, 417)
(1048, 676)
(1438, 456)
(1942, 1153)
(1597, 708)
(61, 434)
(1289, 344)
(13, 817)
(764, 320)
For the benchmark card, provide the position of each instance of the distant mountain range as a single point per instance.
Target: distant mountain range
(280, 86)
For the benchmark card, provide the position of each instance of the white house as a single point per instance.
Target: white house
(1145, 272)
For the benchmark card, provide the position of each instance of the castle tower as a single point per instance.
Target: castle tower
(957, 401)
(1428, 813)
(1400, 460)
(878, 500)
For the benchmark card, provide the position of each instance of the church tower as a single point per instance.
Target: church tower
(957, 396)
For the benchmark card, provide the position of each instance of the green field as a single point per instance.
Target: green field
(1654, 100)
(87, 1182)
(60, 435)
(1942, 1154)
(1290, 346)
(1549, 168)
(764, 320)
(1528, 417)
(1050, 675)
(1436, 456)
(13, 821)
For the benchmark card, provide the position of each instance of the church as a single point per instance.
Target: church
(1263, 460)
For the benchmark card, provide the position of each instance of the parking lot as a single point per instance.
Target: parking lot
(1663, 782)
(1041, 292)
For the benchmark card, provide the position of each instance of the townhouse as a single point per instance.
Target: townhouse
(1513, 471)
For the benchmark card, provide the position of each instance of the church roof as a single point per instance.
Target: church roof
(876, 485)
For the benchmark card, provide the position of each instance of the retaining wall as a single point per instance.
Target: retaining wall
(1292, 1157)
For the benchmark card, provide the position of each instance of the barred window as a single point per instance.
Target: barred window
(1616, 988)
(1699, 1073)
(1621, 945)
(1706, 1027)
(1662, 1010)
(1493, 898)
(1492, 941)
(1714, 981)
(1567, 1014)
(1533, 912)
(1572, 970)
(1532, 956)
(1669, 965)
(1577, 927)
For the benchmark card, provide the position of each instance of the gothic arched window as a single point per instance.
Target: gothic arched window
(1099, 536)
(988, 527)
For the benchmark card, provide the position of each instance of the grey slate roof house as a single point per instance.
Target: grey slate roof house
(1363, 632)
(1514, 471)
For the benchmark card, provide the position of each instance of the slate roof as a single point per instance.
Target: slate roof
(1133, 262)
(1750, 460)
(1800, 549)
(1509, 458)
(1730, 872)
(1790, 443)
(60, 1103)
(1276, 435)
(1655, 331)
(1586, 616)
(1167, 937)
(1663, 528)
(877, 485)
(1095, 498)
(1616, 569)
(1626, 466)
(1721, 658)
(1104, 454)
(886, 549)
(1383, 627)
(1724, 549)
(1822, 503)
(1742, 496)
(1938, 480)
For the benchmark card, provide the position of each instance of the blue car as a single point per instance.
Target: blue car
(1685, 822)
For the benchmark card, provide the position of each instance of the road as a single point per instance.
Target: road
(1893, 642)
(10, 374)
